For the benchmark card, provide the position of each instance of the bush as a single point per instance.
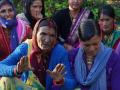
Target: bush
(51, 6)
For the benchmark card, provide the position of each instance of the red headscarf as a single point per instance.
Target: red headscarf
(37, 55)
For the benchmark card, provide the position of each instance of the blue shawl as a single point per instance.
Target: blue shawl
(96, 78)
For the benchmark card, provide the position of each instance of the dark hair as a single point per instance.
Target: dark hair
(106, 10)
(31, 19)
(28, 3)
(88, 29)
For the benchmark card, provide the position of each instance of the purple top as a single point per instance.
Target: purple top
(118, 48)
(112, 68)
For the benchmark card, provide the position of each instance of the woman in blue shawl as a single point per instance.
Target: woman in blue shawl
(96, 67)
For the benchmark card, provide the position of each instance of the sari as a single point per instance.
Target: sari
(112, 40)
(30, 83)
(73, 38)
(18, 34)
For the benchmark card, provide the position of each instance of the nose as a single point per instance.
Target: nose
(47, 39)
(7, 14)
(38, 9)
(91, 48)
(104, 22)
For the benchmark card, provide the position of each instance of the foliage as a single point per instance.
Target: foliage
(51, 6)
(18, 5)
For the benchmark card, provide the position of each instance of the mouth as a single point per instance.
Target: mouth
(46, 45)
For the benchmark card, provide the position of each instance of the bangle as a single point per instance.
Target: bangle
(61, 81)
(16, 73)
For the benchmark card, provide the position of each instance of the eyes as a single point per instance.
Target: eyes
(45, 34)
(35, 6)
(107, 19)
(6, 10)
(88, 45)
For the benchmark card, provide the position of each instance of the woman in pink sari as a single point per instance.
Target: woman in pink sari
(12, 31)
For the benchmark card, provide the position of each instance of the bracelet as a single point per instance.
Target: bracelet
(61, 81)
(16, 73)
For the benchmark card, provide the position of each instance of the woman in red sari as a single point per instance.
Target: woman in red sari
(12, 31)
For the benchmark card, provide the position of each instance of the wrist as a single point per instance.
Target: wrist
(16, 73)
(58, 82)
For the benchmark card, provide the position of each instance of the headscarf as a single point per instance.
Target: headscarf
(36, 51)
(10, 24)
(31, 19)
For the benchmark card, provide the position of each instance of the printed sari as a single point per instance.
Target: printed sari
(14, 83)
(112, 40)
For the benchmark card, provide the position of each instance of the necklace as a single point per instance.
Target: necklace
(73, 17)
(89, 61)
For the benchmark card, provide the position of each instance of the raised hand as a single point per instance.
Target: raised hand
(38, 16)
(58, 73)
(23, 65)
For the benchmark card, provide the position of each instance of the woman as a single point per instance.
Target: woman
(111, 36)
(12, 31)
(68, 20)
(95, 66)
(34, 10)
(42, 52)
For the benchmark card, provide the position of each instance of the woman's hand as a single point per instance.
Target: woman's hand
(58, 73)
(38, 16)
(22, 65)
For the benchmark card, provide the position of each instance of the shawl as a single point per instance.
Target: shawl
(73, 35)
(96, 78)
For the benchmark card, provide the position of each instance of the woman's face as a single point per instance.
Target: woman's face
(91, 46)
(7, 12)
(46, 38)
(75, 4)
(36, 8)
(106, 23)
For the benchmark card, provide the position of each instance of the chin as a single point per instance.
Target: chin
(46, 49)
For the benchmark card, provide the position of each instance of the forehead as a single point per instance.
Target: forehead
(47, 29)
(95, 39)
(5, 6)
(105, 16)
(75, 0)
(37, 2)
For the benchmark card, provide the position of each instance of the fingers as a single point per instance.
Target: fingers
(58, 72)
(22, 65)
(24, 61)
(59, 68)
(38, 15)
